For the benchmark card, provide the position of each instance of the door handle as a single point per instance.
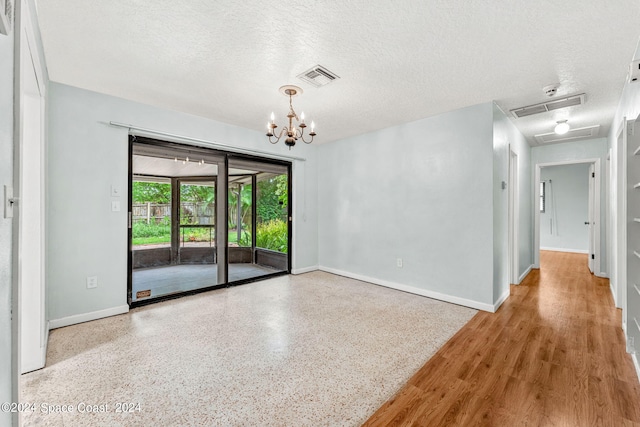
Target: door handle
(587, 223)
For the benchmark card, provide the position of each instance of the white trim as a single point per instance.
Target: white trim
(573, 251)
(636, 364)
(502, 299)
(602, 274)
(513, 214)
(413, 290)
(305, 270)
(613, 294)
(87, 317)
(525, 274)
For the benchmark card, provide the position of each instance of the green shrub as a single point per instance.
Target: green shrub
(273, 235)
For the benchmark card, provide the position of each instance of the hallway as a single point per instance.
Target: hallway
(553, 354)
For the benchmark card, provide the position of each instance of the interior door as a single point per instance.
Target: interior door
(591, 216)
(31, 208)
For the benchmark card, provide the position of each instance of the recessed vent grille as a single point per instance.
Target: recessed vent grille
(556, 104)
(318, 76)
(586, 132)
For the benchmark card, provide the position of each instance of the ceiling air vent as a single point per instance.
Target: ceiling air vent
(573, 134)
(318, 76)
(568, 101)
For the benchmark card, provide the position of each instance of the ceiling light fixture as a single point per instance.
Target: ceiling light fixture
(562, 127)
(292, 132)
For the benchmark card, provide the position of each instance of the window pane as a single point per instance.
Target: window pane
(151, 215)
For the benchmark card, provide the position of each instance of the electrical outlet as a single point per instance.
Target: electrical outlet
(115, 206)
(399, 262)
(92, 282)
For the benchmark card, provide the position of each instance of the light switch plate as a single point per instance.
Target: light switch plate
(115, 191)
(115, 206)
(92, 282)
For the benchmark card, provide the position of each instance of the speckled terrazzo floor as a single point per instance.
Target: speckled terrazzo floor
(308, 350)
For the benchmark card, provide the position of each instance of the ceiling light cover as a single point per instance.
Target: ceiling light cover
(562, 127)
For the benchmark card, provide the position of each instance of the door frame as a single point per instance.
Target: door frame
(591, 218)
(619, 216)
(596, 202)
(222, 212)
(514, 215)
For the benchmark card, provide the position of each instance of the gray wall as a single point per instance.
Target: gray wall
(506, 136)
(422, 192)
(570, 151)
(87, 156)
(6, 178)
(562, 225)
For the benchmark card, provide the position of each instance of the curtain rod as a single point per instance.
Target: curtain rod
(211, 144)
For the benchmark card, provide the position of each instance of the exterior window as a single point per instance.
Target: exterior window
(542, 197)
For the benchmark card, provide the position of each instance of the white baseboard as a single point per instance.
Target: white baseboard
(634, 357)
(413, 290)
(525, 274)
(573, 251)
(86, 317)
(613, 294)
(502, 299)
(603, 275)
(304, 270)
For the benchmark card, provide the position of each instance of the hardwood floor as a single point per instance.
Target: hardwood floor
(552, 355)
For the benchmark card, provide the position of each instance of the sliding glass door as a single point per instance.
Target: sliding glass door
(201, 219)
(258, 219)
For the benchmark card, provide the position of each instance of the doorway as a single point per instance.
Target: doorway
(577, 228)
(200, 219)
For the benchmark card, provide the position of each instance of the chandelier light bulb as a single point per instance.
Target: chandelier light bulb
(313, 125)
(302, 117)
(175, 159)
(562, 127)
(273, 117)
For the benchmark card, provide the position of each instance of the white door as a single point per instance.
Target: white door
(591, 221)
(31, 206)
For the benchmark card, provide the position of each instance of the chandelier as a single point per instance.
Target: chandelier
(292, 132)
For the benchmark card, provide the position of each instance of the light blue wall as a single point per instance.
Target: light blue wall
(506, 135)
(87, 156)
(580, 150)
(562, 225)
(6, 178)
(420, 191)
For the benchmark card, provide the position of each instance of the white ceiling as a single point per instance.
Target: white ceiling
(398, 61)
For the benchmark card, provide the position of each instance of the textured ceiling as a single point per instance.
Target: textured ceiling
(398, 61)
